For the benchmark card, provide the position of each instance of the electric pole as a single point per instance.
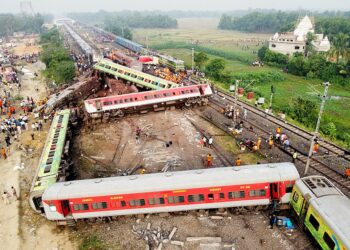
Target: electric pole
(272, 93)
(235, 103)
(326, 84)
(192, 60)
(147, 42)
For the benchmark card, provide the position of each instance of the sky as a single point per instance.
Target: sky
(64, 6)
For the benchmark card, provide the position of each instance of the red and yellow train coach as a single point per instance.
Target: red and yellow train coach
(170, 192)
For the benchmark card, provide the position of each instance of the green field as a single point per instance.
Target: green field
(204, 33)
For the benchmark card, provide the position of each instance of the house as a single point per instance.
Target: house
(291, 42)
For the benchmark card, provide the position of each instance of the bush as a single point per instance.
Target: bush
(92, 242)
(330, 130)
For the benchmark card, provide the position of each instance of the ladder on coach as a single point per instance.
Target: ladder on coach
(135, 76)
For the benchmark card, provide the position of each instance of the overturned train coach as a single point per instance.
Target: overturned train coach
(323, 210)
(157, 99)
(170, 192)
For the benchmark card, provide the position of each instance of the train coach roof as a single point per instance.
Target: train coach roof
(335, 211)
(263, 173)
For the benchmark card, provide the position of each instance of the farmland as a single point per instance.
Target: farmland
(203, 33)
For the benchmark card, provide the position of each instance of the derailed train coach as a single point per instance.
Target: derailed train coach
(323, 211)
(170, 192)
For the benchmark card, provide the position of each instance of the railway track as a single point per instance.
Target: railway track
(316, 164)
(329, 146)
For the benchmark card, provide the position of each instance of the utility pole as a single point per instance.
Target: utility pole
(192, 60)
(235, 103)
(147, 42)
(272, 93)
(326, 84)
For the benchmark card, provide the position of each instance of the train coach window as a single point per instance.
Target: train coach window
(236, 195)
(99, 205)
(196, 198)
(295, 197)
(256, 193)
(314, 222)
(176, 199)
(289, 188)
(138, 203)
(222, 196)
(79, 207)
(107, 103)
(156, 201)
(328, 240)
(123, 203)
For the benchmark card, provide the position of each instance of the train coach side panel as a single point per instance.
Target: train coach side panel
(321, 232)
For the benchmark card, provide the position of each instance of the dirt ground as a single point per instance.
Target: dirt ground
(168, 140)
(20, 227)
(27, 46)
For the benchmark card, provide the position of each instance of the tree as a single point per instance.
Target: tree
(340, 48)
(309, 47)
(215, 67)
(200, 59)
(304, 111)
(262, 52)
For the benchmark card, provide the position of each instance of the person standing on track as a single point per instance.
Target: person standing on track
(209, 160)
(295, 156)
(238, 162)
(245, 114)
(270, 143)
(210, 142)
(204, 141)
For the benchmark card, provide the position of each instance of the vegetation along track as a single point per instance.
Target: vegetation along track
(316, 164)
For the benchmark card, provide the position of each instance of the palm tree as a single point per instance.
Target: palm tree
(340, 48)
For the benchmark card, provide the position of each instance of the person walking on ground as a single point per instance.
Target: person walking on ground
(238, 162)
(138, 139)
(138, 131)
(295, 156)
(210, 141)
(3, 153)
(273, 219)
(347, 173)
(209, 160)
(5, 198)
(14, 193)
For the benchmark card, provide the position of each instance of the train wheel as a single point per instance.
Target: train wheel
(120, 113)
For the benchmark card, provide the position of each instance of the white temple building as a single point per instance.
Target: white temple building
(291, 42)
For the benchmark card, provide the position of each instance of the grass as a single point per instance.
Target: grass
(92, 242)
(204, 33)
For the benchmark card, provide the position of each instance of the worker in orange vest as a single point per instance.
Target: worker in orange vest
(270, 143)
(209, 160)
(238, 162)
(315, 148)
(278, 130)
(347, 173)
(258, 143)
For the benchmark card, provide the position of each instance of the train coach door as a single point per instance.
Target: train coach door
(65, 208)
(98, 105)
(274, 191)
